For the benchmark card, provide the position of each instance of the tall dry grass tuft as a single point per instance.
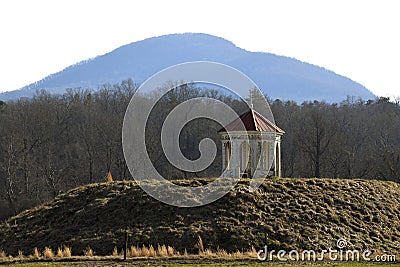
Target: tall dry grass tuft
(208, 253)
(162, 251)
(170, 251)
(252, 253)
(48, 253)
(88, 252)
(109, 177)
(67, 252)
(20, 254)
(2, 254)
(145, 251)
(200, 245)
(128, 253)
(221, 253)
(115, 252)
(236, 255)
(135, 251)
(59, 253)
(36, 253)
(152, 251)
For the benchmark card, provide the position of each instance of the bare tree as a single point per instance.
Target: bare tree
(319, 127)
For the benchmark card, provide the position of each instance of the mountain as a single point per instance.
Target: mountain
(277, 76)
(283, 213)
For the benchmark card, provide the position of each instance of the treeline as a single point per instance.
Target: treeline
(355, 138)
(49, 144)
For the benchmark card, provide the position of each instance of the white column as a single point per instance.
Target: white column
(229, 155)
(261, 158)
(271, 155)
(253, 151)
(275, 161)
(265, 155)
(235, 160)
(279, 159)
(223, 155)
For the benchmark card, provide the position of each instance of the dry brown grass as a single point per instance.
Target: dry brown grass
(59, 253)
(109, 177)
(200, 245)
(236, 255)
(221, 253)
(67, 252)
(115, 252)
(318, 212)
(145, 252)
(20, 254)
(48, 253)
(162, 251)
(88, 252)
(152, 252)
(208, 253)
(36, 253)
(252, 253)
(171, 251)
(135, 251)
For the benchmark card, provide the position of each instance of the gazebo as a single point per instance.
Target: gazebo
(249, 152)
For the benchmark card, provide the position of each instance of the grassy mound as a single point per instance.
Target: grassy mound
(283, 213)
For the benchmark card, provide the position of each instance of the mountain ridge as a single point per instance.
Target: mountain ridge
(278, 76)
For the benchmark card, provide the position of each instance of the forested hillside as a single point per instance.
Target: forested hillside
(50, 143)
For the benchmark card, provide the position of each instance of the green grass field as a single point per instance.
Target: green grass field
(197, 265)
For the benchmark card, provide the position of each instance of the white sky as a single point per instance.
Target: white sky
(359, 39)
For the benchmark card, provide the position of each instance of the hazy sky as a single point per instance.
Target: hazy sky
(357, 39)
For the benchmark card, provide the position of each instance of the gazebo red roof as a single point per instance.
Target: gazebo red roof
(252, 121)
